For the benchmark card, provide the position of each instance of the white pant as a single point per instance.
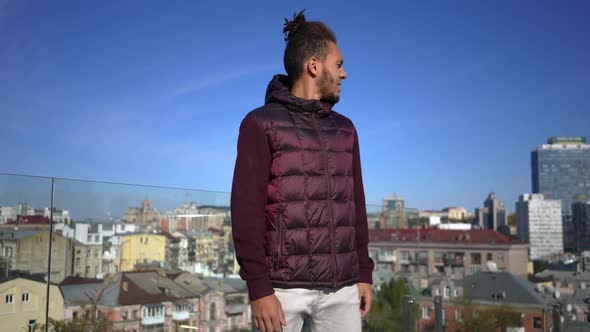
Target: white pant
(327, 309)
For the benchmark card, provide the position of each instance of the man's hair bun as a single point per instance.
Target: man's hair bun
(291, 27)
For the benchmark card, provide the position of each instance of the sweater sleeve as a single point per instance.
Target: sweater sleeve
(248, 204)
(366, 264)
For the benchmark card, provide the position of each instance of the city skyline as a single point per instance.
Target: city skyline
(449, 99)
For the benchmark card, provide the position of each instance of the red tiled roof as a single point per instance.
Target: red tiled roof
(31, 220)
(434, 235)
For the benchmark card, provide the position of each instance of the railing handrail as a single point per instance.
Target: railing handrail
(113, 183)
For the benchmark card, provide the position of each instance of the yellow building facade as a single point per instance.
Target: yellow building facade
(141, 249)
(22, 304)
(26, 249)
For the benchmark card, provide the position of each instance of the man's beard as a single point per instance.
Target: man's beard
(326, 84)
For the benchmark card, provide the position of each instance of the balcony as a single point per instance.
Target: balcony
(386, 258)
(235, 309)
(455, 262)
(153, 320)
(180, 315)
(421, 261)
(406, 258)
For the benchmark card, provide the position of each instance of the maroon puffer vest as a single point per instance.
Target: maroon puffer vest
(310, 211)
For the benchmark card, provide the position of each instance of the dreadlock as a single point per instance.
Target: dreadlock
(304, 40)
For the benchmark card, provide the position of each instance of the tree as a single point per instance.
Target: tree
(512, 219)
(490, 318)
(86, 323)
(91, 319)
(387, 310)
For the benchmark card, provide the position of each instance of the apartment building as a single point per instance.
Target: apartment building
(453, 253)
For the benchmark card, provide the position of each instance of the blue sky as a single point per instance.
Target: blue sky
(449, 98)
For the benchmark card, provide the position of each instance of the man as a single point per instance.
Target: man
(298, 207)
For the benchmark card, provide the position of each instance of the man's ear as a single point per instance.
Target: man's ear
(313, 66)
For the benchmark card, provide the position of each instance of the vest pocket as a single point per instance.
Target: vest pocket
(277, 256)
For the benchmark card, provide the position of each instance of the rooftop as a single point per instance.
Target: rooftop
(434, 235)
(19, 234)
(501, 287)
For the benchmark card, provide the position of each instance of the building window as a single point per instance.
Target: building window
(475, 269)
(74, 314)
(439, 257)
(77, 261)
(87, 270)
(97, 253)
(25, 297)
(459, 315)
(89, 238)
(537, 323)
(212, 313)
(9, 298)
(447, 292)
(406, 256)
(425, 312)
(32, 324)
(455, 292)
(489, 257)
(476, 258)
(96, 238)
(124, 315)
(499, 258)
(88, 253)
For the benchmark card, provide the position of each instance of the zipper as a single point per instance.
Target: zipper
(330, 212)
(279, 241)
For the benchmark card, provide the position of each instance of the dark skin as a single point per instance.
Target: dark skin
(320, 80)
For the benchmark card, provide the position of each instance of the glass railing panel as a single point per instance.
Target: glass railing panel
(25, 211)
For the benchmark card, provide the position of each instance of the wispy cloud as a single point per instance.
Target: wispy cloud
(219, 78)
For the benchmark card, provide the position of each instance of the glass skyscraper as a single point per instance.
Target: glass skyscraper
(561, 170)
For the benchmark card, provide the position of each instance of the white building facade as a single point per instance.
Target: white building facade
(540, 223)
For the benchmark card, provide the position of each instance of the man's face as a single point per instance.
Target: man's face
(332, 75)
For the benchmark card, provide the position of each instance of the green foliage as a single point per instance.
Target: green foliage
(489, 318)
(539, 266)
(387, 310)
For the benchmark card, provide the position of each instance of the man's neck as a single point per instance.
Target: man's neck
(305, 89)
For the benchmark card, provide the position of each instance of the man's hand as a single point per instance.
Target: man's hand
(366, 297)
(268, 314)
